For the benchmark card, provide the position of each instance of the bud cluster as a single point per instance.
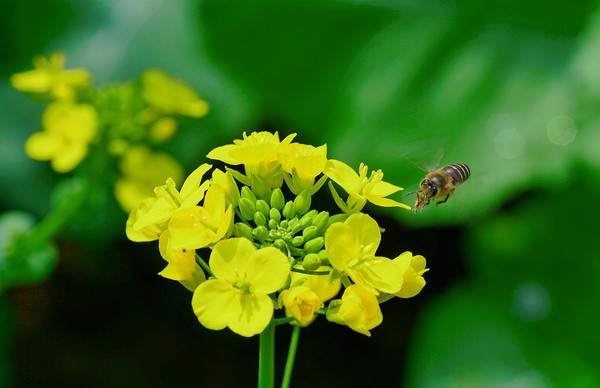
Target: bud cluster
(289, 226)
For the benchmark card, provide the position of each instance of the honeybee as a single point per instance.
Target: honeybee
(440, 184)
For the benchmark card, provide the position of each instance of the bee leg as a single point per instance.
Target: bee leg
(425, 202)
(444, 201)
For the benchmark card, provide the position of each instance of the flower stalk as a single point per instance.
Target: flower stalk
(266, 357)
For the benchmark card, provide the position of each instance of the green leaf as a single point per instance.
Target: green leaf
(21, 261)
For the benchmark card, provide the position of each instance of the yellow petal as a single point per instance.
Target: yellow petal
(319, 283)
(253, 316)
(301, 303)
(190, 228)
(70, 157)
(383, 189)
(34, 81)
(42, 146)
(378, 274)
(268, 269)
(413, 268)
(214, 303)
(228, 255)
(193, 181)
(360, 310)
(222, 153)
(343, 175)
(341, 245)
(366, 232)
(386, 202)
(182, 264)
(149, 232)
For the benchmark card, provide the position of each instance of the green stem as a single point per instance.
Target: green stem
(266, 357)
(60, 216)
(203, 264)
(310, 272)
(282, 321)
(289, 365)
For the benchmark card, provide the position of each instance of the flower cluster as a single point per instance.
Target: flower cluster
(269, 250)
(123, 120)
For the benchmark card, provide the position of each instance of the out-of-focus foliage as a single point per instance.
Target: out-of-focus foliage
(510, 88)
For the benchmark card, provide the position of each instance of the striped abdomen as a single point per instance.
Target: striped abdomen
(459, 172)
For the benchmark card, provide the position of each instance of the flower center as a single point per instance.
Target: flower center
(243, 287)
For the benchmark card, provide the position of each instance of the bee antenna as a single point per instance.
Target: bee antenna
(412, 192)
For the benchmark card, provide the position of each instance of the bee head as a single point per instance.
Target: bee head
(428, 188)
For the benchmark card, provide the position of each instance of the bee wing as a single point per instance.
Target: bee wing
(424, 154)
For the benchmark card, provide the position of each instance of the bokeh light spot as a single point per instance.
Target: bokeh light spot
(561, 130)
(531, 302)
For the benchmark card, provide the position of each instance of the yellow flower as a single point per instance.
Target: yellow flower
(200, 226)
(49, 77)
(142, 171)
(413, 268)
(303, 163)
(351, 248)
(319, 283)
(170, 96)
(359, 310)
(360, 187)
(238, 297)
(301, 303)
(258, 154)
(181, 265)
(68, 129)
(150, 218)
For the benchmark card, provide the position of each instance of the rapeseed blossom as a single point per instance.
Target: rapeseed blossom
(68, 130)
(238, 296)
(361, 187)
(351, 248)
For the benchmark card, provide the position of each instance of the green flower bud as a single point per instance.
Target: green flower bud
(279, 243)
(297, 241)
(307, 219)
(310, 233)
(247, 208)
(274, 214)
(248, 194)
(314, 245)
(277, 199)
(294, 225)
(320, 221)
(289, 210)
(283, 224)
(242, 230)
(324, 257)
(302, 202)
(311, 262)
(259, 219)
(263, 207)
(273, 224)
(260, 232)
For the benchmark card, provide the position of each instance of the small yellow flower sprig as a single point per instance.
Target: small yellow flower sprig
(122, 120)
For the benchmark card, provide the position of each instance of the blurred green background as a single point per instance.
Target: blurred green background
(510, 88)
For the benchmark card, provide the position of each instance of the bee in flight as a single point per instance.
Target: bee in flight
(440, 184)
